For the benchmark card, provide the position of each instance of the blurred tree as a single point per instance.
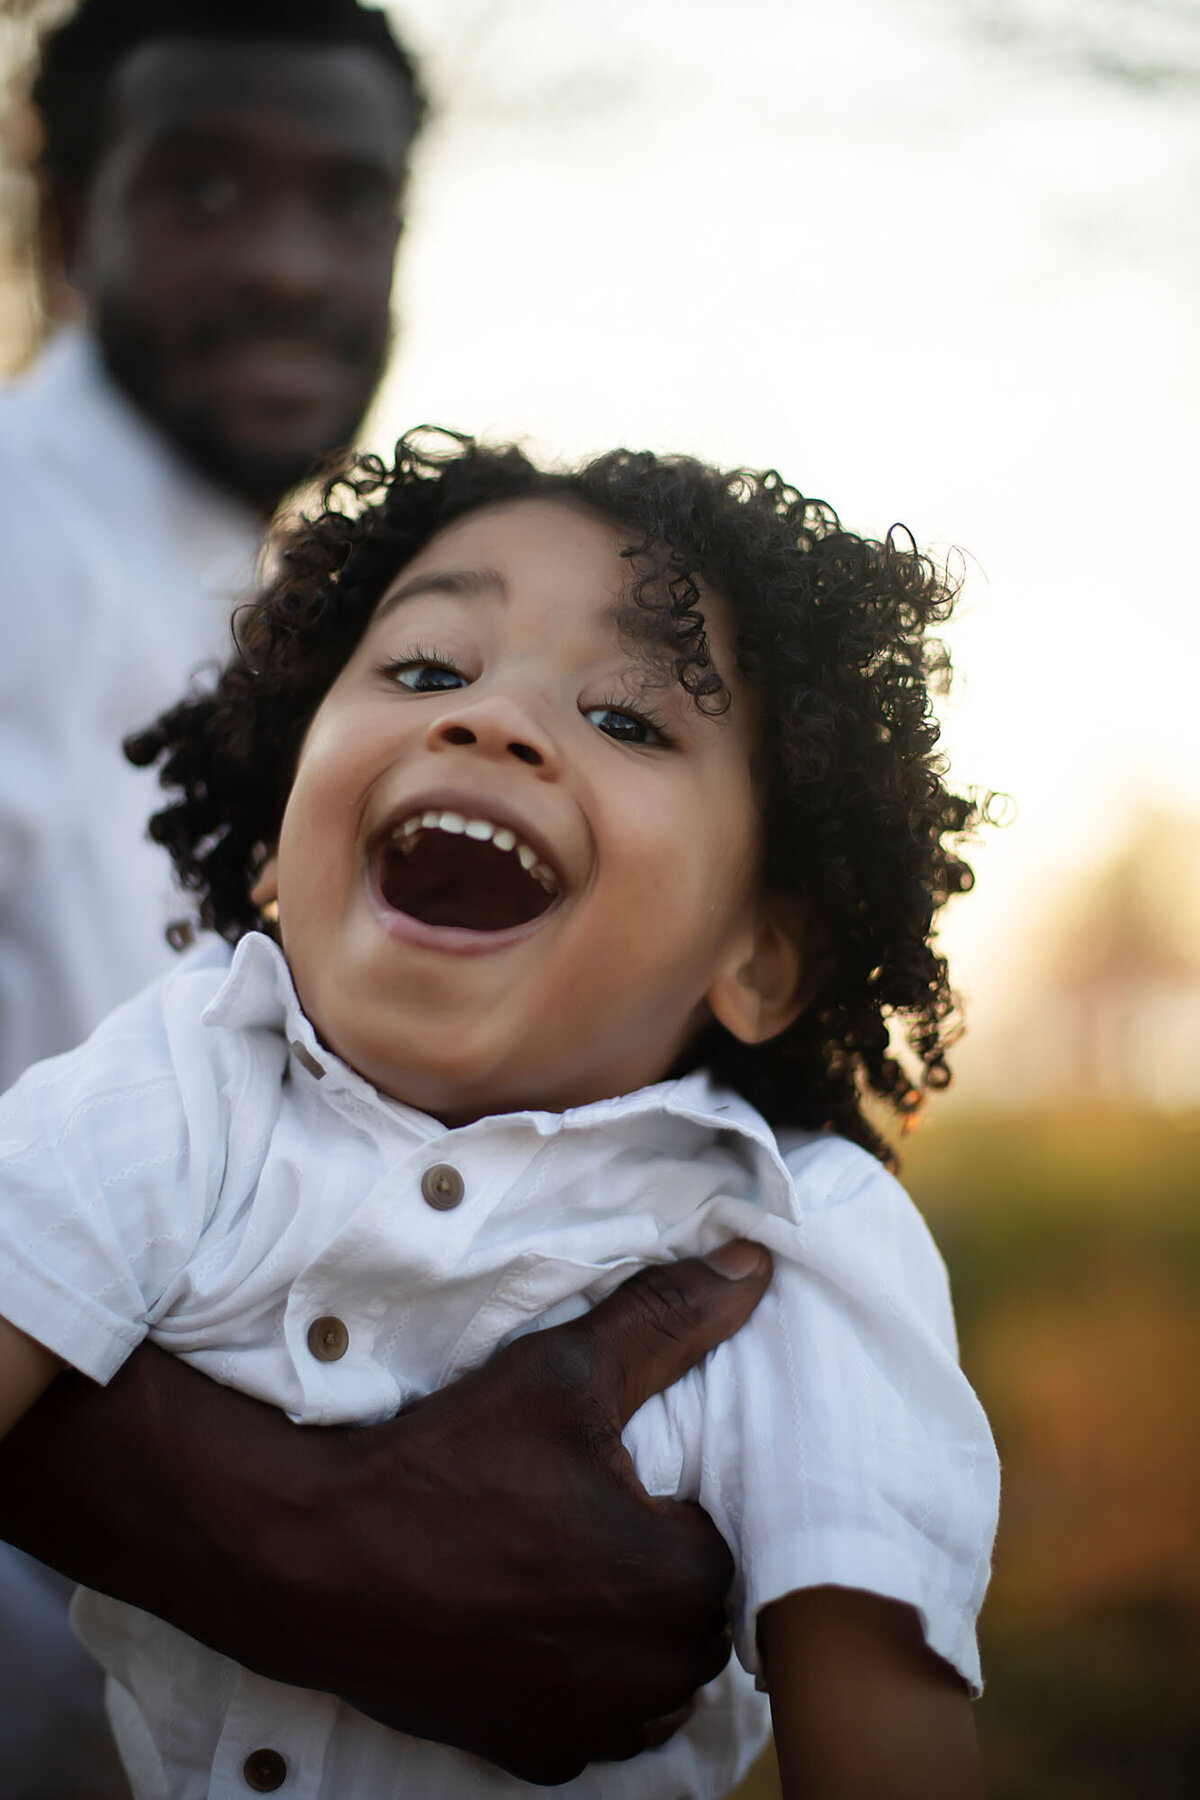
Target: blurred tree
(1148, 44)
(1124, 972)
(21, 312)
(1107, 1006)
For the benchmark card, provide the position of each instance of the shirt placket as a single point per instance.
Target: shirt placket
(433, 1202)
(274, 1741)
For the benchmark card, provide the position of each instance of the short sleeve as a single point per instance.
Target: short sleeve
(834, 1439)
(111, 1160)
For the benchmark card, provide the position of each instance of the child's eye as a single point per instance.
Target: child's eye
(626, 727)
(424, 677)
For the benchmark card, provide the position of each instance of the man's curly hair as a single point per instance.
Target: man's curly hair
(860, 829)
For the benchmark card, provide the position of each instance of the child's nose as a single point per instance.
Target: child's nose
(498, 727)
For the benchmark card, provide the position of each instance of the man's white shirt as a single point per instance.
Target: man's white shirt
(118, 571)
(206, 1172)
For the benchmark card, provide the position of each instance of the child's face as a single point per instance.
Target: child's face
(493, 689)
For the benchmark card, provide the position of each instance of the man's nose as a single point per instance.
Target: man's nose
(288, 256)
(499, 727)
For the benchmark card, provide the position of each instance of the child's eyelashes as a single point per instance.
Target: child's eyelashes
(426, 672)
(421, 673)
(626, 726)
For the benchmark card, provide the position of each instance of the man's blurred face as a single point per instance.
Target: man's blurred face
(236, 245)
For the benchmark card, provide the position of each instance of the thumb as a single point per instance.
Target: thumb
(661, 1321)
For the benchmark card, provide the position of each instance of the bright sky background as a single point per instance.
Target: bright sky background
(937, 260)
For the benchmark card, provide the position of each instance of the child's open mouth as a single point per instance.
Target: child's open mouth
(448, 870)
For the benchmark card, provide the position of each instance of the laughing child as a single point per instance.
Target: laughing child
(571, 840)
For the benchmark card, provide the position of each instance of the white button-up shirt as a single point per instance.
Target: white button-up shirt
(118, 569)
(206, 1172)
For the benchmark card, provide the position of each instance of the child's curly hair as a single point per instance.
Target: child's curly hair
(860, 827)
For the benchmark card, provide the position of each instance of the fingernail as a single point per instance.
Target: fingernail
(736, 1260)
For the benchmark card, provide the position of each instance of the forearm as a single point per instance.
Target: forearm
(484, 1570)
(26, 1369)
(190, 1538)
(861, 1708)
(402, 1566)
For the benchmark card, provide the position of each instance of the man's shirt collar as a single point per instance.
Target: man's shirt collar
(76, 399)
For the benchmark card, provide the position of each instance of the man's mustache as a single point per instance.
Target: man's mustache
(307, 328)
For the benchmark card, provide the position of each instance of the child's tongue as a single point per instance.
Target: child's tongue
(445, 880)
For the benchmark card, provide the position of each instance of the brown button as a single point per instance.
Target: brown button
(328, 1339)
(264, 1771)
(442, 1186)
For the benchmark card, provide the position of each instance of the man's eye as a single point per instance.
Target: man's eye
(425, 677)
(362, 200)
(625, 727)
(211, 193)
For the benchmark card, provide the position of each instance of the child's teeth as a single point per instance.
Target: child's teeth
(405, 838)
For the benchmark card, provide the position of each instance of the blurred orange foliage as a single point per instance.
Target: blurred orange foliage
(1098, 1394)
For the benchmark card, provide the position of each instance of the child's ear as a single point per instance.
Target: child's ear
(266, 884)
(766, 981)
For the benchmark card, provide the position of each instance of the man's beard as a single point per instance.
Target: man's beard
(140, 364)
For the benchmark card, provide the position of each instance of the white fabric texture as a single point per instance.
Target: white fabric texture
(118, 569)
(206, 1172)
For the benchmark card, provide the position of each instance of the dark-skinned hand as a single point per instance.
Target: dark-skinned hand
(484, 1570)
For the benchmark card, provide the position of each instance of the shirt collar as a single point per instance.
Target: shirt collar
(258, 994)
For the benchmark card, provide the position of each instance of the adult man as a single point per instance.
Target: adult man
(225, 180)
(228, 209)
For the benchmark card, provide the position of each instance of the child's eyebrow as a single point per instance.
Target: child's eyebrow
(464, 582)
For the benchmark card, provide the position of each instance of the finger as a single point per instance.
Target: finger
(657, 1691)
(662, 1321)
(718, 1650)
(647, 1737)
(680, 1578)
(659, 1731)
(634, 1737)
